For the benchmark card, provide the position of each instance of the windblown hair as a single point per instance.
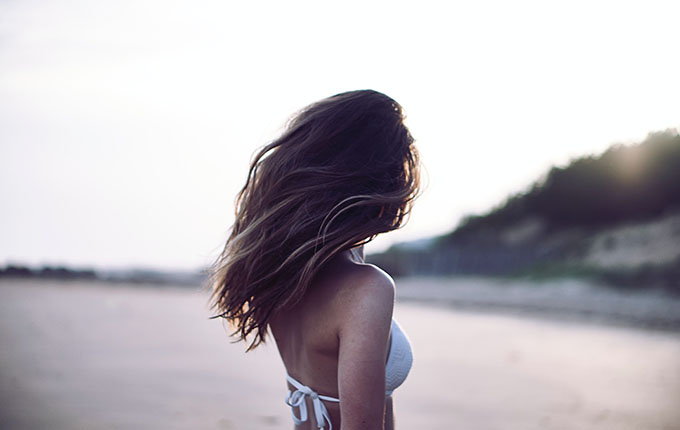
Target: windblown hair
(344, 171)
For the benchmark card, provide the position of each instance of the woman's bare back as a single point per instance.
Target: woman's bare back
(309, 334)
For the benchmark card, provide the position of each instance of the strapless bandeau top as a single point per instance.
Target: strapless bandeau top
(399, 361)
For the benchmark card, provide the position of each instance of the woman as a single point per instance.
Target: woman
(344, 171)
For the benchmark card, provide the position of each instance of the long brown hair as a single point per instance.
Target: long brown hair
(344, 170)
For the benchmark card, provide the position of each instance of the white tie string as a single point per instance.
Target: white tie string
(296, 399)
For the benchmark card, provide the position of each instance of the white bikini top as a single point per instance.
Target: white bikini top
(399, 361)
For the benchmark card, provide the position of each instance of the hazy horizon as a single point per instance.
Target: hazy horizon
(127, 127)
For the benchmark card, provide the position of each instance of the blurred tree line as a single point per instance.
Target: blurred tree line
(626, 183)
(48, 272)
(129, 276)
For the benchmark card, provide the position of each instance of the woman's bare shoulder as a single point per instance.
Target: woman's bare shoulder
(364, 288)
(351, 278)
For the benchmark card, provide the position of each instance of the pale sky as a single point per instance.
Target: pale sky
(126, 127)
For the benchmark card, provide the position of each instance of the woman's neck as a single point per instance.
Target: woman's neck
(357, 254)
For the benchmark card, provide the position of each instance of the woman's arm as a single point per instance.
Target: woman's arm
(364, 335)
(389, 414)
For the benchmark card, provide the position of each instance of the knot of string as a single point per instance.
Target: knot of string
(296, 399)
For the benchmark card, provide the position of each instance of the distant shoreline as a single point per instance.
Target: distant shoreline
(570, 300)
(565, 299)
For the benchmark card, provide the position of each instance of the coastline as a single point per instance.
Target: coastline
(573, 300)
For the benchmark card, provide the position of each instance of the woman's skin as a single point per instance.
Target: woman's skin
(336, 341)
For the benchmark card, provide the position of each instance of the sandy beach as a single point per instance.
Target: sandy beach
(79, 355)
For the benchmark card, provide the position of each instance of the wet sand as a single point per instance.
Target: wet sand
(96, 356)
